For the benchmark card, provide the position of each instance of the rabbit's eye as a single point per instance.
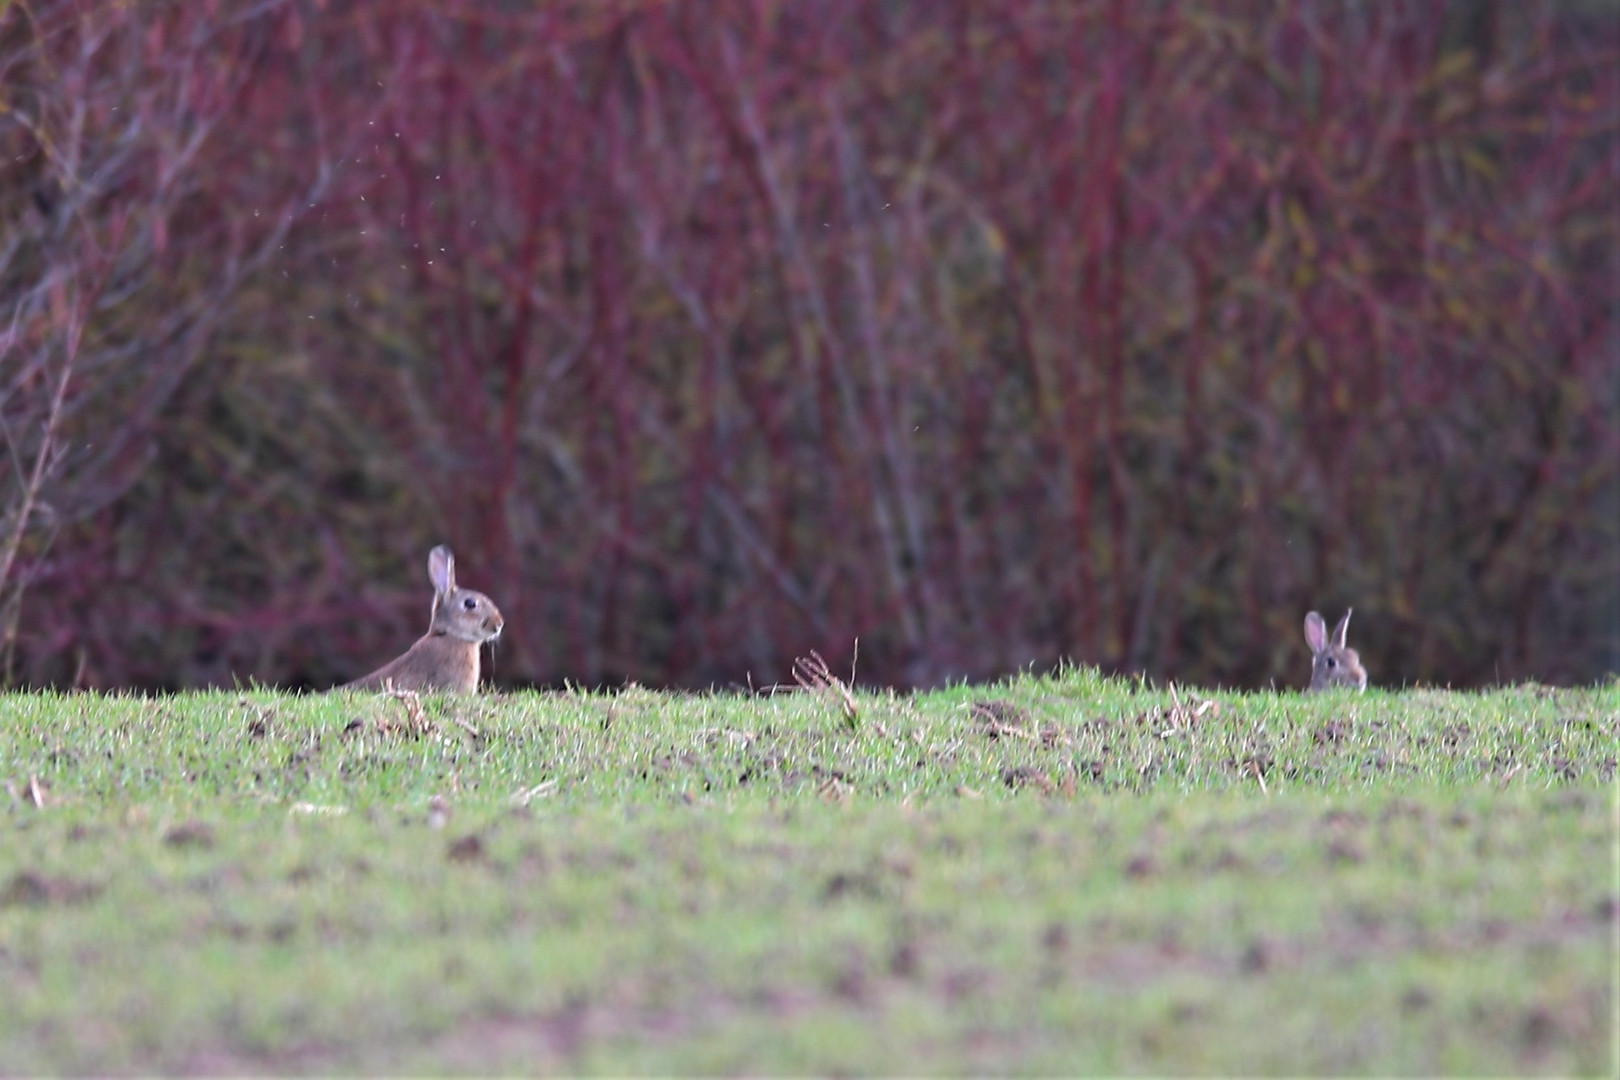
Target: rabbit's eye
(1333, 662)
(468, 602)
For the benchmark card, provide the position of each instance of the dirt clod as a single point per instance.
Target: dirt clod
(1026, 776)
(1539, 1029)
(466, 849)
(29, 888)
(1333, 732)
(844, 884)
(1416, 999)
(192, 834)
(1256, 958)
(1343, 850)
(903, 960)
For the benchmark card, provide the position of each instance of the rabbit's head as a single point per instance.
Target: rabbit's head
(1333, 663)
(462, 614)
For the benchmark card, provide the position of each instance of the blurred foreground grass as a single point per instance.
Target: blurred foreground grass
(1054, 875)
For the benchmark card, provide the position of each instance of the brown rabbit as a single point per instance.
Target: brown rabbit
(446, 657)
(1333, 663)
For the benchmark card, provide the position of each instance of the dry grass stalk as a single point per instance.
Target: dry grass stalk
(539, 791)
(1185, 714)
(33, 792)
(416, 722)
(812, 674)
(835, 790)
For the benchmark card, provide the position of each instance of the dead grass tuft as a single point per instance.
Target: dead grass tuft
(812, 674)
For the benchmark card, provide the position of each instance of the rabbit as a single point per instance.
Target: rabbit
(446, 657)
(1333, 663)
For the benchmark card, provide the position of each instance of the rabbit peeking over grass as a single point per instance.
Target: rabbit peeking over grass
(1333, 663)
(446, 657)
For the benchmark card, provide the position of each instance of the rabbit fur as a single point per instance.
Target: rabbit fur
(446, 657)
(1333, 663)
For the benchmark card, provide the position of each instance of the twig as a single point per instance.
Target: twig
(42, 457)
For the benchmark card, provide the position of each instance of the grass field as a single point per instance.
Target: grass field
(1054, 875)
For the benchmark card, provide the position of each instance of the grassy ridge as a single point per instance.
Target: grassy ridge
(1059, 875)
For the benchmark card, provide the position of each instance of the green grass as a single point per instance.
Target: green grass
(1052, 875)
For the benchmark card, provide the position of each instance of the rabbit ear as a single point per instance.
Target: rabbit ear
(442, 570)
(1315, 632)
(1342, 629)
